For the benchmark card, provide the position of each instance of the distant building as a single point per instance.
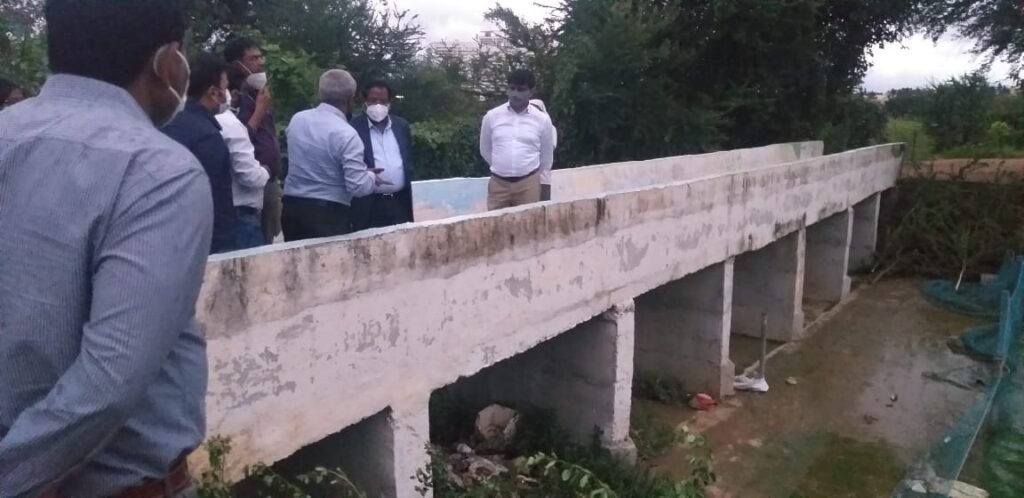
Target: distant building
(486, 41)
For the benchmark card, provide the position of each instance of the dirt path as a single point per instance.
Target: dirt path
(836, 433)
(981, 170)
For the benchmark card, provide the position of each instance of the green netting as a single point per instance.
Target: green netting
(979, 300)
(999, 413)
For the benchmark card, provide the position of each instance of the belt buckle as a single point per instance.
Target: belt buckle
(388, 196)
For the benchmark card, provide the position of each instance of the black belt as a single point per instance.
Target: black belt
(313, 202)
(514, 179)
(386, 196)
(247, 210)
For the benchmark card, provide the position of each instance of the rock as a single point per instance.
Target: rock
(480, 467)
(964, 490)
(464, 449)
(791, 381)
(756, 443)
(496, 426)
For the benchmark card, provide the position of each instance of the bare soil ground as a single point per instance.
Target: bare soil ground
(837, 432)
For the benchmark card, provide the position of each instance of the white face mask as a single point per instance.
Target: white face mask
(180, 96)
(226, 105)
(258, 81)
(377, 112)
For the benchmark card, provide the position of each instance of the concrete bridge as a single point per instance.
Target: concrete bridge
(642, 267)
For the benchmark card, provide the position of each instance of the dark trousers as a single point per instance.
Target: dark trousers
(379, 211)
(303, 219)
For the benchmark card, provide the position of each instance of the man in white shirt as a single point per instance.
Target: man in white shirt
(545, 175)
(248, 179)
(387, 140)
(518, 144)
(325, 165)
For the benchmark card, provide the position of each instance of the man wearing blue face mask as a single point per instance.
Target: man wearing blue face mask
(106, 228)
(518, 144)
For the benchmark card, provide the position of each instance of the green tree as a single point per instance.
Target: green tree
(22, 44)
(996, 26)
(959, 111)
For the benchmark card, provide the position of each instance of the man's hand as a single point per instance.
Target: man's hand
(377, 180)
(264, 100)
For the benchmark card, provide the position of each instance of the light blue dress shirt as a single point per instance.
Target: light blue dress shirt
(105, 227)
(387, 155)
(325, 158)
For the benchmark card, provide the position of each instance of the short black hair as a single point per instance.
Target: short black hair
(207, 69)
(110, 40)
(378, 84)
(522, 77)
(235, 49)
(6, 87)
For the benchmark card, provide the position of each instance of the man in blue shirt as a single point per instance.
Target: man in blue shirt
(325, 165)
(198, 130)
(387, 141)
(105, 227)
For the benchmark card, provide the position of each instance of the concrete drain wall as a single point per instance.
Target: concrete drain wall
(308, 339)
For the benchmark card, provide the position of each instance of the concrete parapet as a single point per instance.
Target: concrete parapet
(771, 281)
(438, 199)
(305, 339)
(864, 238)
(682, 331)
(826, 270)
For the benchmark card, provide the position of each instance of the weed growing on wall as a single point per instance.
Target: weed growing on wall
(214, 483)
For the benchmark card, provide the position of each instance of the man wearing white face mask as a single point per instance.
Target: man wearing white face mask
(387, 141)
(106, 229)
(518, 143)
(248, 179)
(198, 130)
(255, 110)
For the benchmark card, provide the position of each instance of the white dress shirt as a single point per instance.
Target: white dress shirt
(248, 177)
(387, 156)
(325, 158)
(516, 144)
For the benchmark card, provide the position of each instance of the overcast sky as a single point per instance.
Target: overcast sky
(915, 62)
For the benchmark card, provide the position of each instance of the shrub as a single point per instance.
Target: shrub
(913, 133)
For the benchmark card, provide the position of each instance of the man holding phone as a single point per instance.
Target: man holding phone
(326, 165)
(255, 110)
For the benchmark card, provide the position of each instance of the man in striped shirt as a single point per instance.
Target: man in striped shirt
(105, 227)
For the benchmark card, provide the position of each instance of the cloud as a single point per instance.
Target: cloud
(917, 61)
(462, 20)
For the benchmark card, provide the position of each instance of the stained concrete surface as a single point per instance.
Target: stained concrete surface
(833, 434)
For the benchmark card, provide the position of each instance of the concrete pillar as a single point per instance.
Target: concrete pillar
(826, 271)
(584, 375)
(380, 454)
(865, 232)
(682, 331)
(771, 280)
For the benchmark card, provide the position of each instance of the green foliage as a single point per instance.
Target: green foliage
(446, 149)
(651, 436)
(946, 227)
(857, 121)
(996, 26)
(214, 482)
(661, 389)
(958, 113)
(548, 463)
(22, 46)
(913, 133)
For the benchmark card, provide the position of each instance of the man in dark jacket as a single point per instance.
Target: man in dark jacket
(197, 129)
(387, 141)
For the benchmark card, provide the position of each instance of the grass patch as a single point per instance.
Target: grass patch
(846, 468)
(661, 389)
(651, 436)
